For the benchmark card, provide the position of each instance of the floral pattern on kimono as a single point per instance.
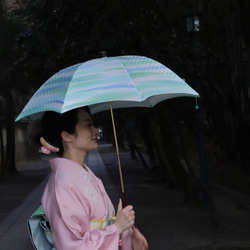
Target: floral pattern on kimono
(72, 198)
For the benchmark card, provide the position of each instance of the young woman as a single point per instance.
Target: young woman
(74, 200)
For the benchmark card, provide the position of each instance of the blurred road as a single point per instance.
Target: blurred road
(166, 223)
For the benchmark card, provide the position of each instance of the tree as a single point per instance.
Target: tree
(220, 67)
(61, 33)
(9, 29)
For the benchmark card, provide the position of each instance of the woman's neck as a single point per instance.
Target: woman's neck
(78, 157)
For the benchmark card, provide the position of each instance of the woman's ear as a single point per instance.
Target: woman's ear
(66, 136)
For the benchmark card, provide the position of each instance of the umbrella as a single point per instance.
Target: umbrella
(107, 83)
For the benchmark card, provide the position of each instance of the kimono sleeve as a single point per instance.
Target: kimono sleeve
(69, 219)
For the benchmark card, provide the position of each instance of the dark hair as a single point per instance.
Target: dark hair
(53, 124)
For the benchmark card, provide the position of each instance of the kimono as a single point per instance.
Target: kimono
(72, 198)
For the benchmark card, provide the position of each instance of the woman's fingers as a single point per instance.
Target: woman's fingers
(130, 213)
(119, 205)
(139, 242)
(125, 218)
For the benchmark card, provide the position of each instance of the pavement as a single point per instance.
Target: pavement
(160, 214)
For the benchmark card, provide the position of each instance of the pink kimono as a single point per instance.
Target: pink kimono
(72, 198)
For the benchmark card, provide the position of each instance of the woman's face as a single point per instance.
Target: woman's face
(85, 137)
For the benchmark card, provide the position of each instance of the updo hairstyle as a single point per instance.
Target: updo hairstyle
(53, 124)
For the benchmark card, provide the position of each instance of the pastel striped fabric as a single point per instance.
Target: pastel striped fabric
(126, 81)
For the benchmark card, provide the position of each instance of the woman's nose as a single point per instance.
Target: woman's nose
(96, 131)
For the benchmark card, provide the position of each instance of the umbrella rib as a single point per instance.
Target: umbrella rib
(131, 79)
(77, 67)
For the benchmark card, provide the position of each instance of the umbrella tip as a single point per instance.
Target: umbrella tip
(196, 103)
(103, 53)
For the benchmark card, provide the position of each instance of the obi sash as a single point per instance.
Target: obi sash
(40, 232)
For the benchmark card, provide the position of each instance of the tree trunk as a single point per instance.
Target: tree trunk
(10, 165)
(157, 141)
(1, 150)
(132, 145)
(9, 162)
(146, 134)
(172, 150)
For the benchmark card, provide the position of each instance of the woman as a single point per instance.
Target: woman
(74, 197)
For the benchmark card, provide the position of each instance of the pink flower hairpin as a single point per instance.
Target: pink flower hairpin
(47, 148)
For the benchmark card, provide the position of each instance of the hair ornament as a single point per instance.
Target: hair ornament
(47, 148)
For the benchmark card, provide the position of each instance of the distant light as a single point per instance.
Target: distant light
(192, 20)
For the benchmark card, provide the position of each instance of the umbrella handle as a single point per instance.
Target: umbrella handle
(124, 197)
(117, 149)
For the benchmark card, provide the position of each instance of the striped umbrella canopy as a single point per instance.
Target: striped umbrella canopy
(107, 83)
(126, 81)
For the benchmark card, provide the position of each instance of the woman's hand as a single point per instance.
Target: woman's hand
(138, 240)
(125, 218)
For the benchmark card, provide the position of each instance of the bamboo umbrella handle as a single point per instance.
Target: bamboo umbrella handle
(124, 194)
